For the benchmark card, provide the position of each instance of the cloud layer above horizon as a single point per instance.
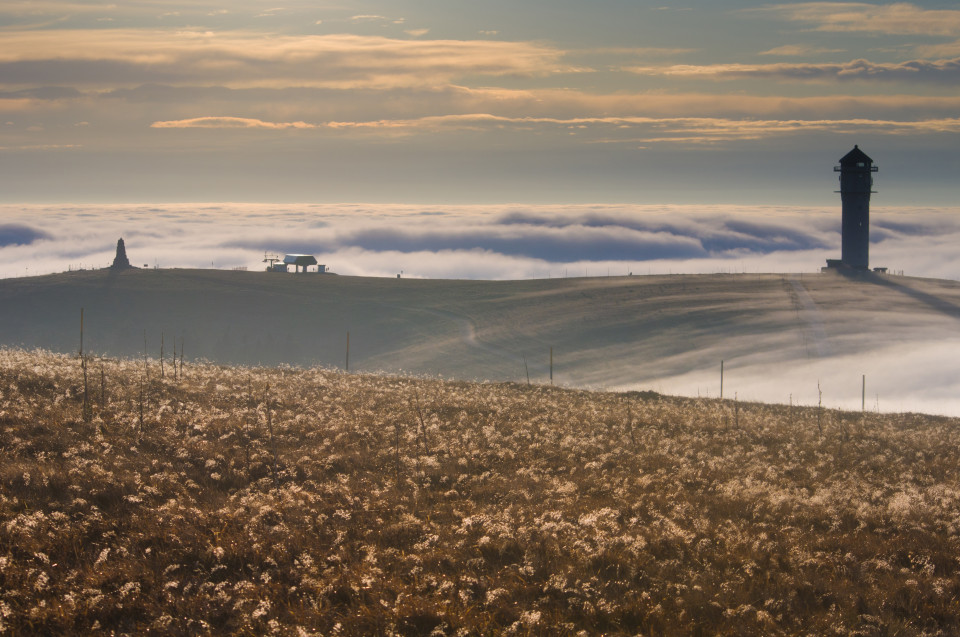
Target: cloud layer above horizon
(475, 242)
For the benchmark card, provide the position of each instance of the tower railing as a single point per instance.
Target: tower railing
(872, 169)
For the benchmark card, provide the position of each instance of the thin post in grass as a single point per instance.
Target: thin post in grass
(396, 451)
(819, 410)
(146, 370)
(141, 404)
(103, 383)
(423, 425)
(527, 369)
(273, 444)
(83, 365)
(721, 379)
(551, 365)
(863, 395)
(793, 411)
(161, 355)
(736, 411)
(348, 352)
(181, 357)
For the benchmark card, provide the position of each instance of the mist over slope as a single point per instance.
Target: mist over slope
(778, 335)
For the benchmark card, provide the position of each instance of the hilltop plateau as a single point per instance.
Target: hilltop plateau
(778, 334)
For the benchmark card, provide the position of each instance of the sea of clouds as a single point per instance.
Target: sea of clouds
(525, 241)
(473, 242)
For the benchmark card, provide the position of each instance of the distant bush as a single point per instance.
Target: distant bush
(355, 505)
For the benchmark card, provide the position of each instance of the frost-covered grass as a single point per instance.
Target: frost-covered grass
(258, 501)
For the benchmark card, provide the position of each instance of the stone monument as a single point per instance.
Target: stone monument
(121, 262)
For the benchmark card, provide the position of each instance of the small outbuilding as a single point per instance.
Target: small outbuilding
(300, 260)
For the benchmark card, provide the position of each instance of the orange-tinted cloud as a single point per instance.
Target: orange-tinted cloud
(790, 50)
(113, 57)
(229, 122)
(612, 129)
(899, 18)
(945, 71)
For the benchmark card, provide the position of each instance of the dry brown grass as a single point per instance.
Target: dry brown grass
(495, 509)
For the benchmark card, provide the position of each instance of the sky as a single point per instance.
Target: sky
(451, 102)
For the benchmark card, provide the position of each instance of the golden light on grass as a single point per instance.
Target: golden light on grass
(363, 504)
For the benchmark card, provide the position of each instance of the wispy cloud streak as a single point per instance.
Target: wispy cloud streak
(111, 57)
(230, 122)
(665, 130)
(912, 71)
(898, 18)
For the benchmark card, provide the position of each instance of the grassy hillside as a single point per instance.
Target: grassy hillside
(605, 332)
(280, 501)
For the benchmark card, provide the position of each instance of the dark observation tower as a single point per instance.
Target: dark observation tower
(856, 179)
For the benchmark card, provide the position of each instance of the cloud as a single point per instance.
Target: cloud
(945, 71)
(229, 122)
(667, 129)
(44, 8)
(638, 51)
(714, 234)
(42, 93)
(571, 242)
(119, 57)
(570, 104)
(378, 88)
(13, 234)
(534, 240)
(507, 241)
(899, 18)
(400, 111)
(901, 377)
(34, 147)
(554, 245)
(791, 50)
(942, 50)
(375, 18)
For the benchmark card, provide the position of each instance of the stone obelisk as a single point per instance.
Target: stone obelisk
(121, 262)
